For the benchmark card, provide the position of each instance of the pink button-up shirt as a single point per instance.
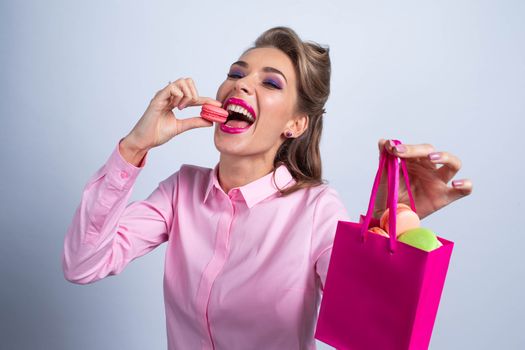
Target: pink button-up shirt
(243, 269)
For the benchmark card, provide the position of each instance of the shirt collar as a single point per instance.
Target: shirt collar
(257, 190)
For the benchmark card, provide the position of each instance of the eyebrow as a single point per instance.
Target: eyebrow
(265, 69)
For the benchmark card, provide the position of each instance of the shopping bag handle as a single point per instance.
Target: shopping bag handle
(392, 164)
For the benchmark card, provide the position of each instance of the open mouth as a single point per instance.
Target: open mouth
(240, 116)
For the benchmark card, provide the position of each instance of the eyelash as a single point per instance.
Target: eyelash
(233, 75)
(272, 84)
(269, 83)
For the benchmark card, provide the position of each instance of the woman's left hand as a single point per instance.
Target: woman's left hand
(428, 182)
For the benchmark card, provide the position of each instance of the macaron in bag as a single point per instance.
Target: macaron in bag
(408, 229)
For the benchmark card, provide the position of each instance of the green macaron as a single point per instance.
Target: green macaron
(421, 238)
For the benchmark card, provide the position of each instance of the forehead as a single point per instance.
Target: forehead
(269, 57)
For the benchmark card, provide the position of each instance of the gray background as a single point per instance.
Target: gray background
(77, 76)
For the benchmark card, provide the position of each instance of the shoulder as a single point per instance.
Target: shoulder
(194, 169)
(323, 193)
(321, 201)
(328, 203)
(194, 175)
(189, 173)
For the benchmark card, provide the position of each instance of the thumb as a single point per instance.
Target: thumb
(194, 122)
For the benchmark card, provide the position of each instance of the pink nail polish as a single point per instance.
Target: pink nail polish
(434, 156)
(457, 183)
(401, 148)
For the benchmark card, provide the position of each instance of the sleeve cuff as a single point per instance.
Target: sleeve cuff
(120, 173)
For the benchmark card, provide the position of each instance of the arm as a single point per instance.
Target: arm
(329, 210)
(106, 233)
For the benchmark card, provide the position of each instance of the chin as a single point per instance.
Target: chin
(226, 146)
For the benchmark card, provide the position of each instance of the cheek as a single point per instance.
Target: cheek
(271, 126)
(278, 105)
(221, 91)
(276, 111)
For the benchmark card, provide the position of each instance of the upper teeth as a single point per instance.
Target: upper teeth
(239, 109)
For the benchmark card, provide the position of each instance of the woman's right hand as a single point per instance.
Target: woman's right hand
(159, 124)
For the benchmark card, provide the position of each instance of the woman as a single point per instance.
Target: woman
(249, 241)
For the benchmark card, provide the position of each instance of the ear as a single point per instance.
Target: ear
(298, 125)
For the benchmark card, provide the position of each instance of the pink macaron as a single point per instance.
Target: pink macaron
(214, 113)
(406, 219)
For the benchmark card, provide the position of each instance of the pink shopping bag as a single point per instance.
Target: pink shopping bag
(381, 294)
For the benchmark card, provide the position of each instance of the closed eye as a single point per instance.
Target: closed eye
(234, 75)
(272, 84)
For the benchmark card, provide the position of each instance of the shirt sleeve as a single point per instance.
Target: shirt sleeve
(106, 233)
(328, 211)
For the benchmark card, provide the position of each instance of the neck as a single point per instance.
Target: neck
(237, 171)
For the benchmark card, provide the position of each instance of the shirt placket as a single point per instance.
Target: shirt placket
(212, 270)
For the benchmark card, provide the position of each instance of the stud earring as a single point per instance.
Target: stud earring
(288, 133)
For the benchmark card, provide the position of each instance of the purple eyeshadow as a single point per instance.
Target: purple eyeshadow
(276, 83)
(238, 72)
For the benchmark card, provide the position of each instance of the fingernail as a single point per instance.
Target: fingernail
(434, 156)
(457, 183)
(392, 144)
(401, 148)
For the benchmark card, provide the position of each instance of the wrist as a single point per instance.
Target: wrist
(131, 145)
(132, 153)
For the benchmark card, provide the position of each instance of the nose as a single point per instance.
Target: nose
(242, 84)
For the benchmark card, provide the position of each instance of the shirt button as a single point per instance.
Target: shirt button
(123, 174)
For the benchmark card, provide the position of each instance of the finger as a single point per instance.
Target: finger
(193, 88)
(183, 85)
(460, 188)
(164, 97)
(176, 94)
(386, 144)
(164, 93)
(381, 144)
(194, 122)
(451, 164)
(411, 151)
(208, 100)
